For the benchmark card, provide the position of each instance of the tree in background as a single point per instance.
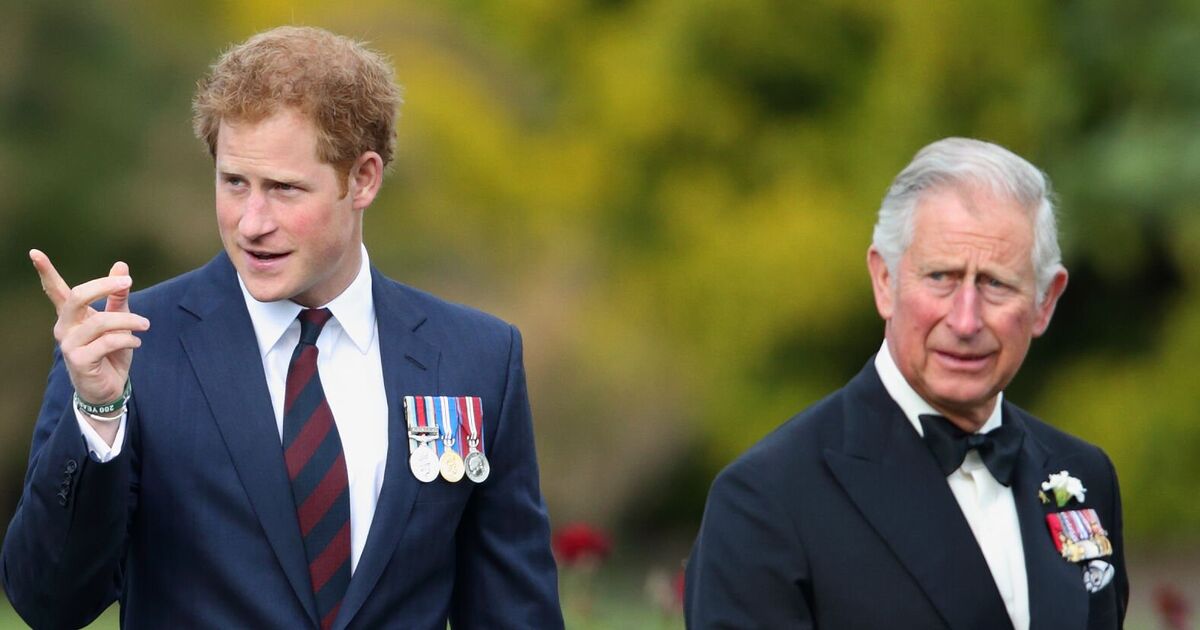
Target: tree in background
(673, 199)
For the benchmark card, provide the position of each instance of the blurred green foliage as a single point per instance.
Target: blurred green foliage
(671, 198)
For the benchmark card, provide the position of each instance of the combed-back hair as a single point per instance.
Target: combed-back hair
(967, 163)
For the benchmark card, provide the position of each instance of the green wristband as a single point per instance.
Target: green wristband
(106, 408)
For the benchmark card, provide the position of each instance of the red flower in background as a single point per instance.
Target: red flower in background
(1172, 606)
(580, 542)
(678, 587)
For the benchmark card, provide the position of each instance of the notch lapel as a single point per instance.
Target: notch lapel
(1057, 599)
(223, 352)
(892, 478)
(410, 366)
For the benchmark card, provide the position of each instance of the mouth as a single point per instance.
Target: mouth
(962, 360)
(263, 258)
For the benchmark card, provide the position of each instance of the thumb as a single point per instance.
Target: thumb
(118, 301)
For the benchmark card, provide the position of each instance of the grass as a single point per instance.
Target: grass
(10, 621)
(618, 602)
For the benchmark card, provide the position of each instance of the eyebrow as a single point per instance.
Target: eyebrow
(290, 181)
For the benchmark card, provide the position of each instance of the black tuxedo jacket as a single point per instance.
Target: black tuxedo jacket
(841, 519)
(193, 525)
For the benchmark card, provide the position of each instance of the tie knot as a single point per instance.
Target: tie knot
(312, 320)
(998, 449)
(977, 440)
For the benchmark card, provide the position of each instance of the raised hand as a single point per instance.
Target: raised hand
(97, 346)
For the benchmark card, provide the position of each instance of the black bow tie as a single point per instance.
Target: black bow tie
(998, 449)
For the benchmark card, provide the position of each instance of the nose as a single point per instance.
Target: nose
(965, 318)
(257, 219)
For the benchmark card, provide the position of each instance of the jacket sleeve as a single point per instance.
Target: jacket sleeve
(747, 568)
(1117, 536)
(62, 553)
(505, 573)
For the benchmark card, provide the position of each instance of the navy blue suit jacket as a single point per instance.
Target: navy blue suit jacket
(193, 524)
(842, 519)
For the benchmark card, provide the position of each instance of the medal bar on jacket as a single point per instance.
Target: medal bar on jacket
(422, 460)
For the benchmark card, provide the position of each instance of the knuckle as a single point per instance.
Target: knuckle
(71, 356)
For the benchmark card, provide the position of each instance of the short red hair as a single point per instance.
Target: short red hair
(346, 89)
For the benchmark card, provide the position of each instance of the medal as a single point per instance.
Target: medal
(1078, 535)
(477, 467)
(1096, 575)
(476, 463)
(438, 427)
(422, 459)
(451, 464)
(424, 463)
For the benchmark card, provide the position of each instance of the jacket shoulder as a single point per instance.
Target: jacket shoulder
(443, 314)
(1056, 441)
(795, 444)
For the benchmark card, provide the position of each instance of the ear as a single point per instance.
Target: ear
(881, 283)
(1045, 310)
(366, 176)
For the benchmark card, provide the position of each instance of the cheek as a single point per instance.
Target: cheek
(227, 217)
(919, 314)
(1015, 331)
(1012, 323)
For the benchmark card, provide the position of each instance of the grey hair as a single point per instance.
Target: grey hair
(963, 162)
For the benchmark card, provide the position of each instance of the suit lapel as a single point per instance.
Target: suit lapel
(1057, 599)
(410, 367)
(223, 352)
(892, 478)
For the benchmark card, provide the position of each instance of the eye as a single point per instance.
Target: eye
(234, 180)
(992, 283)
(287, 188)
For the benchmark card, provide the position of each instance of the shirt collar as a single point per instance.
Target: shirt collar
(353, 309)
(910, 401)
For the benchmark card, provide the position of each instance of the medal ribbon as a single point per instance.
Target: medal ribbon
(450, 424)
(474, 405)
(470, 428)
(410, 416)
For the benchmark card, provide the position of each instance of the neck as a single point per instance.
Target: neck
(969, 420)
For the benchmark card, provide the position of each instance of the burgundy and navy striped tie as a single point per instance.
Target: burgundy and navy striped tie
(317, 467)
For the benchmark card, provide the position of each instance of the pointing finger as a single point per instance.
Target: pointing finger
(52, 284)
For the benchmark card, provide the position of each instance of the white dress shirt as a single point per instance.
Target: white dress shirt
(351, 375)
(986, 503)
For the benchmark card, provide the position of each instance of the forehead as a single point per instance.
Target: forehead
(286, 136)
(953, 223)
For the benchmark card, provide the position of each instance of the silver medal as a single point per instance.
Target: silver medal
(1096, 575)
(424, 463)
(478, 467)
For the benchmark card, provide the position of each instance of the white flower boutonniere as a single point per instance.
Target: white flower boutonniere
(1064, 487)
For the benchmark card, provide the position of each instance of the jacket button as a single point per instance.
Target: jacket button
(71, 467)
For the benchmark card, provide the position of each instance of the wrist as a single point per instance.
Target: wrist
(105, 412)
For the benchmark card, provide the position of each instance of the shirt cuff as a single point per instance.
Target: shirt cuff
(100, 449)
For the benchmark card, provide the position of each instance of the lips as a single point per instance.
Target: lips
(264, 260)
(963, 361)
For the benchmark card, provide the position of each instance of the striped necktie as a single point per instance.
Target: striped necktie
(317, 469)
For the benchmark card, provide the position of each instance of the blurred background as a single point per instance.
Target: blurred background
(672, 199)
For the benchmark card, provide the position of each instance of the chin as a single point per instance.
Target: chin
(264, 294)
(964, 397)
